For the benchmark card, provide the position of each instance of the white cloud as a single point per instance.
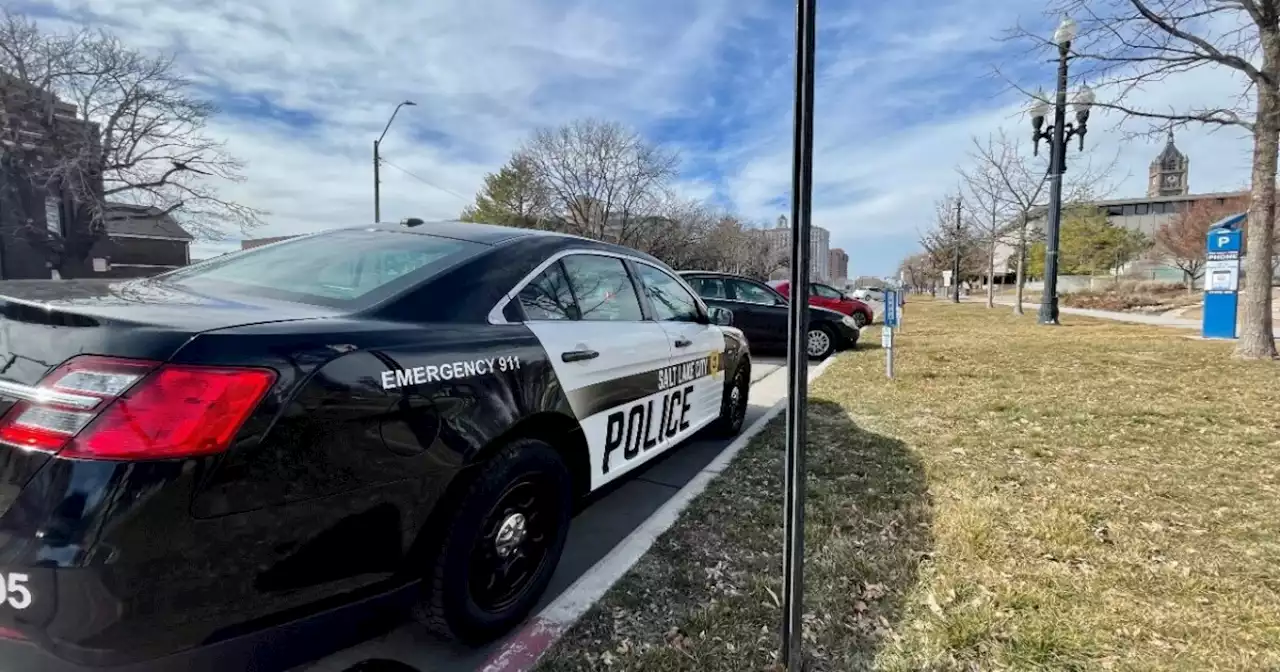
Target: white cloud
(902, 87)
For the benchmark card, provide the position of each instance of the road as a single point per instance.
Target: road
(596, 530)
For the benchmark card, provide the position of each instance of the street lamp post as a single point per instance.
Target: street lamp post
(955, 264)
(377, 162)
(1058, 134)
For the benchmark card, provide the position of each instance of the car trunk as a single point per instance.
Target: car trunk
(43, 323)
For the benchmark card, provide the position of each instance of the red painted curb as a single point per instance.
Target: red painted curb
(522, 651)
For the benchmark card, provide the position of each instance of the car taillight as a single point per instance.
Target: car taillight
(123, 409)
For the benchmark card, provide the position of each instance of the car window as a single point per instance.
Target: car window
(603, 288)
(548, 296)
(332, 269)
(709, 288)
(671, 301)
(750, 292)
(826, 292)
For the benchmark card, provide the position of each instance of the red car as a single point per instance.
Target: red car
(826, 296)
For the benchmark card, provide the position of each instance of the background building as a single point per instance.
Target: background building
(1168, 195)
(779, 241)
(1167, 175)
(138, 241)
(838, 266)
(38, 132)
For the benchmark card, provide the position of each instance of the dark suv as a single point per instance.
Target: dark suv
(761, 313)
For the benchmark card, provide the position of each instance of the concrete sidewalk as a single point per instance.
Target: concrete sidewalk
(1135, 318)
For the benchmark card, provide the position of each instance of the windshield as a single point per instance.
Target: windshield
(336, 269)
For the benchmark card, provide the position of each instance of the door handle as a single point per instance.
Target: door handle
(578, 355)
(683, 342)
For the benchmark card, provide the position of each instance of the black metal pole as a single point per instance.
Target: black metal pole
(955, 264)
(797, 341)
(377, 164)
(1057, 164)
(377, 187)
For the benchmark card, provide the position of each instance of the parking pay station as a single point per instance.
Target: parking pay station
(1223, 246)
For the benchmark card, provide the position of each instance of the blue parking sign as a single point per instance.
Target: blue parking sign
(891, 308)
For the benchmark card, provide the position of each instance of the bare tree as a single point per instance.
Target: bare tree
(605, 180)
(1181, 240)
(989, 209)
(677, 232)
(941, 242)
(1023, 186)
(103, 122)
(1129, 44)
(916, 273)
(692, 234)
(751, 252)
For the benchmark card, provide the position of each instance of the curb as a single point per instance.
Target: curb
(523, 649)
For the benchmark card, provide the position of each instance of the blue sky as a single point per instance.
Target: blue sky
(305, 87)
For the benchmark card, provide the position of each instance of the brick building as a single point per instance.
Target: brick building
(54, 222)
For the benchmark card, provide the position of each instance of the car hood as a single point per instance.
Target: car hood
(826, 312)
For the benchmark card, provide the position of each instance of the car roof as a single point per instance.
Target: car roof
(496, 235)
(722, 274)
(487, 234)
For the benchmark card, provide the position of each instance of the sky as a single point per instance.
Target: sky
(902, 87)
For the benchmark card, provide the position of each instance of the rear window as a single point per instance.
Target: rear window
(339, 269)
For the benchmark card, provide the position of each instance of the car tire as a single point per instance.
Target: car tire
(860, 319)
(519, 502)
(820, 342)
(733, 404)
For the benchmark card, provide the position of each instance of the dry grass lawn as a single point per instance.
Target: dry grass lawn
(1098, 496)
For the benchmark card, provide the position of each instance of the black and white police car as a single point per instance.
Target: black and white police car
(195, 459)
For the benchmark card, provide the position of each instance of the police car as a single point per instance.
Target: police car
(190, 460)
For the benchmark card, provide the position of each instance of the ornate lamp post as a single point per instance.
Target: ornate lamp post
(1058, 134)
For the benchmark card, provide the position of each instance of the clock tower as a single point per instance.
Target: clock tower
(1167, 175)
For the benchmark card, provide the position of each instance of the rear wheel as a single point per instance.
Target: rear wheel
(820, 342)
(733, 407)
(860, 319)
(500, 550)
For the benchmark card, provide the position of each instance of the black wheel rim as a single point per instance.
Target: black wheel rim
(860, 320)
(505, 563)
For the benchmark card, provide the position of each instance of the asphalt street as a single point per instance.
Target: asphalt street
(596, 530)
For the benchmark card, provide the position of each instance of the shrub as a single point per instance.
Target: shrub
(1131, 295)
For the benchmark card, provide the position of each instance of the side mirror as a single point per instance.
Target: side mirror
(721, 316)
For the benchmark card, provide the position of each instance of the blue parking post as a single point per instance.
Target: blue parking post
(1222, 277)
(892, 315)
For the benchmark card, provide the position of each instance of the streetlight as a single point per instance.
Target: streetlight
(377, 162)
(955, 265)
(1058, 134)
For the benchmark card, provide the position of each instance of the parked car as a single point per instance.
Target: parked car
(761, 314)
(263, 439)
(868, 294)
(826, 296)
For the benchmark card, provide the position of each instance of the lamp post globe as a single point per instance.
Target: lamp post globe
(1066, 31)
(1039, 105)
(1084, 99)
